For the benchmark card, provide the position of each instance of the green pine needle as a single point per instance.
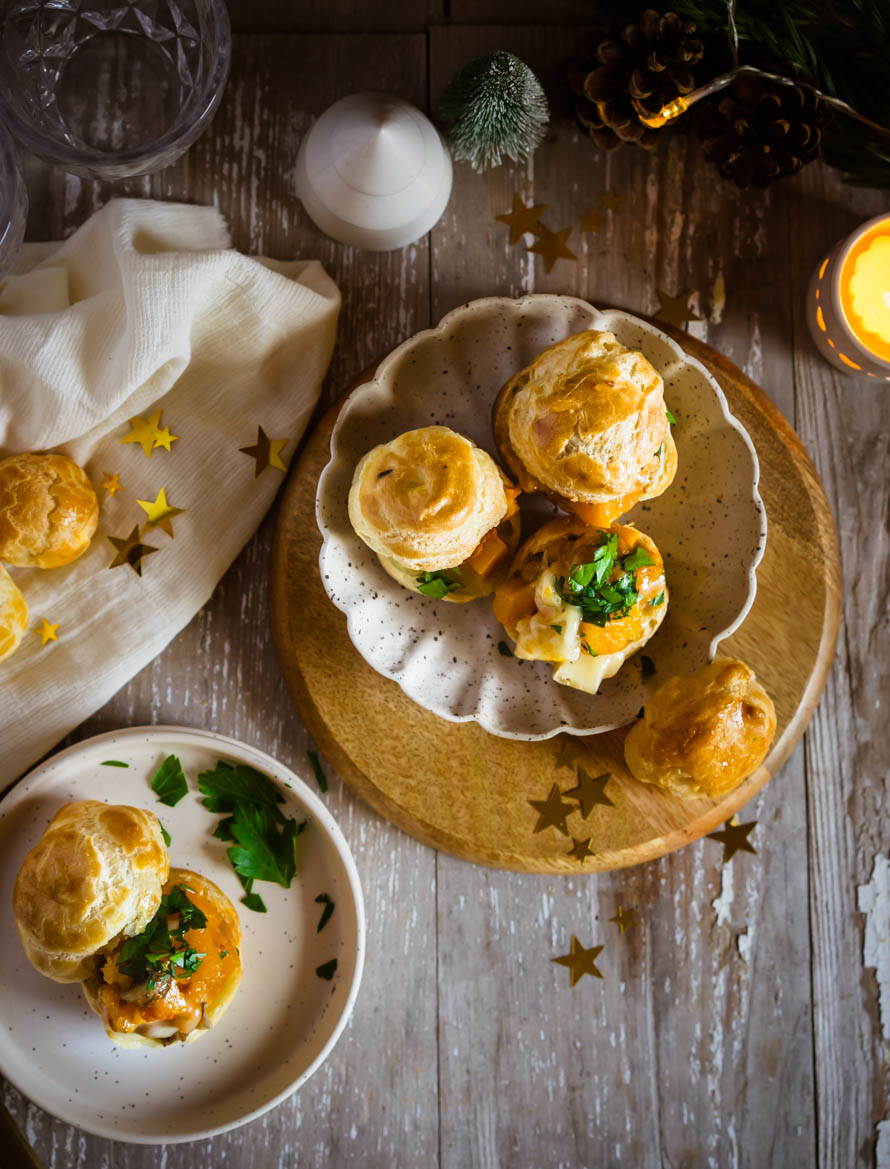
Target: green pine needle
(493, 107)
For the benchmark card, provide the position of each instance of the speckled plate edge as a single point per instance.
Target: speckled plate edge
(519, 303)
(314, 805)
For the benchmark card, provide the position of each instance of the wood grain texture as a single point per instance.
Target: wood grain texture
(457, 788)
(468, 1049)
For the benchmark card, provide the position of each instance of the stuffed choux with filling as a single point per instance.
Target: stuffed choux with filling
(438, 511)
(173, 981)
(586, 424)
(13, 614)
(583, 598)
(48, 510)
(701, 734)
(94, 876)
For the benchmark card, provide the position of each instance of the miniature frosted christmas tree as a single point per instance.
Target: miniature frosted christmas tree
(492, 107)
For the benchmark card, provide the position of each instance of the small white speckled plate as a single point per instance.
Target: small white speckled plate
(710, 525)
(282, 1023)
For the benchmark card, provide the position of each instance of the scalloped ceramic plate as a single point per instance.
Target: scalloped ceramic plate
(710, 525)
(282, 1023)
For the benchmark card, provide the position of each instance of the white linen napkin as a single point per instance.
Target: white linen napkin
(145, 308)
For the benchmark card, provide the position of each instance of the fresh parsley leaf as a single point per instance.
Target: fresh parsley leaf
(265, 849)
(671, 418)
(324, 899)
(639, 558)
(327, 969)
(320, 777)
(190, 916)
(113, 763)
(558, 628)
(169, 782)
(225, 786)
(165, 834)
(659, 600)
(223, 830)
(255, 902)
(504, 650)
(438, 584)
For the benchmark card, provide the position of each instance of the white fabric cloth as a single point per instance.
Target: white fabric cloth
(146, 307)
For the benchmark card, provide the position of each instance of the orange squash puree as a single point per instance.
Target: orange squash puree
(864, 288)
(603, 515)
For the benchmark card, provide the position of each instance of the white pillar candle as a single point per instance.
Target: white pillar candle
(848, 302)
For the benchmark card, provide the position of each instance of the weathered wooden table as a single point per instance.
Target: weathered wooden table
(738, 1024)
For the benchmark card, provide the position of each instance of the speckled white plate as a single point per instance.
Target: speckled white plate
(283, 1021)
(710, 525)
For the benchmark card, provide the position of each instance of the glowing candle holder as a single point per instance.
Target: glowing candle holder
(848, 302)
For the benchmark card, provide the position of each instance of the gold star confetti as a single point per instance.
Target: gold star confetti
(111, 483)
(553, 812)
(675, 309)
(551, 245)
(625, 919)
(143, 431)
(47, 632)
(591, 221)
(266, 451)
(160, 513)
(581, 849)
(590, 791)
(163, 438)
(734, 838)
(611, 201)
(580, 961)
(130, 551)
(521, 220)
(569, 751)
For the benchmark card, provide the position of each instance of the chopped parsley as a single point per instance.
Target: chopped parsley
(504, 650)
(113, 763)
(659, 600)
(591, 587)
(326, 970)
(324, 899)
(438, 584)
(224, 953)
(165, 834)
(169, 782)
(262, 838)
(161, 952)
(671, 418)
(658, 452)
(320, 777)
(557, 628)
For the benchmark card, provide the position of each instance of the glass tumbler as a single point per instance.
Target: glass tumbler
(13, 203)
(112, 88)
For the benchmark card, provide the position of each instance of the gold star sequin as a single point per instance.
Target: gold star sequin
(163, 438)
(143, 431)
(581, 849)
(521, 220)
(590, 791)
(111, 483)
(160, 513)
(580, 961)
(130, 551)
(625, 919)
(553, 812)
(266, 451)
(611, 201)
(734, 838)
(569, 751)
(591, 221)
(47, 632)
(675, 310)
(551, 245)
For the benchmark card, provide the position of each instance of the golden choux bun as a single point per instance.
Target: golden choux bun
(95, 874)
(425, 502)
(586, 423)
(180, 1010)
(702, 734)
(48, 510)
(532, 602)
(13, 614)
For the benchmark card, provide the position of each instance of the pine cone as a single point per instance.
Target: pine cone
(762, 130)
(648, 63)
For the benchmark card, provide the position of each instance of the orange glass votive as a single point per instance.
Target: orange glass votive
(848, 302)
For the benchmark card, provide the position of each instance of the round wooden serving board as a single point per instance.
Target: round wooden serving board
(458, 788)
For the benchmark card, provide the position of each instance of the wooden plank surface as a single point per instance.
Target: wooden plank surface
(707, 1044)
